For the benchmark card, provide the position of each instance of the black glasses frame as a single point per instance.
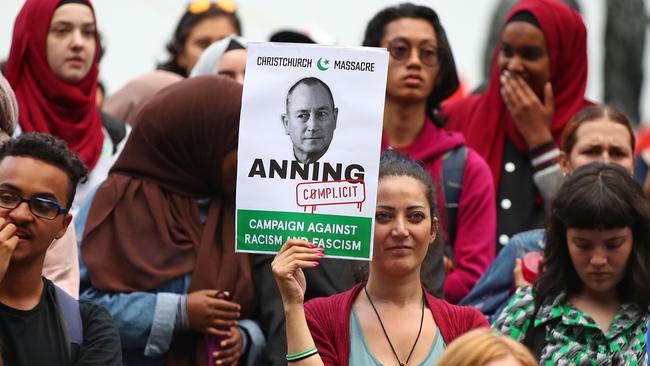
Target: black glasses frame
(60, 209)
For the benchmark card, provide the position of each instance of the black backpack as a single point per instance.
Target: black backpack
(451, 181)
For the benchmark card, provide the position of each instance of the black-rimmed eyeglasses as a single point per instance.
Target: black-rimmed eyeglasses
(41, 207)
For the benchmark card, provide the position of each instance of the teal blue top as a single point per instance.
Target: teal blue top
(360, 353)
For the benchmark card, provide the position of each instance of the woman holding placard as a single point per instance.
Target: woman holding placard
(422, 74)
(410, 109)
(391, 317)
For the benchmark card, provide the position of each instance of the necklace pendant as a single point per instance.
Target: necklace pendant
(402, 364)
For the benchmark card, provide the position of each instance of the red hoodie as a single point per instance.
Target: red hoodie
(474, 248)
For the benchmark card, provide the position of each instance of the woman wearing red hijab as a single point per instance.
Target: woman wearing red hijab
(537, 82)
(52, 67)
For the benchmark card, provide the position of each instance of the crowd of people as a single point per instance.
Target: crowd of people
(117, 216)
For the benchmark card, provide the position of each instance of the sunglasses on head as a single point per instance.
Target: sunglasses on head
(400, 50)
(201, 6)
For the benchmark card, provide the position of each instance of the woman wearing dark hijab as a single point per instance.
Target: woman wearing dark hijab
(537, 83)
(158, 241)
(52, 67)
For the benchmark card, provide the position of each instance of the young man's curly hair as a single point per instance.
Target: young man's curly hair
(51, 150)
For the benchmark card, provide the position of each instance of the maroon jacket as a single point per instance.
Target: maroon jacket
(329, 322)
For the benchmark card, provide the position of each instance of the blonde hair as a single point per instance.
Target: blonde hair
(480, 346)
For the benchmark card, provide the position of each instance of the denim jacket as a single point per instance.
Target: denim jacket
(147, 320)
(494, 288)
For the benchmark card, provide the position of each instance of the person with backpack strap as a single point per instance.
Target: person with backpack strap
(40, 324)
(421, 75)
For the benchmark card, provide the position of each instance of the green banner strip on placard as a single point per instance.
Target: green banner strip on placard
(341, 236)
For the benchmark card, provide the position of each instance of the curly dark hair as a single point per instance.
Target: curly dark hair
(447, 81)
(597, 196)
(51, 150)
(183, 29)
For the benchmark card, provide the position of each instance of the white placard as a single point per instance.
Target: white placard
(309, 146)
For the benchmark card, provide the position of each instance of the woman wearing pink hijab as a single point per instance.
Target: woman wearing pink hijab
(126, 102)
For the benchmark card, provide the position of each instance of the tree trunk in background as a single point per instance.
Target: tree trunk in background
(625, 34)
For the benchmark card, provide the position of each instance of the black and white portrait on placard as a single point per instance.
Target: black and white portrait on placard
(310, 118)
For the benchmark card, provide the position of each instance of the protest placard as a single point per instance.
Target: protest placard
(309, 145)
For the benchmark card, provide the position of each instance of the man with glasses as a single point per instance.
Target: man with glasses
(39, 323)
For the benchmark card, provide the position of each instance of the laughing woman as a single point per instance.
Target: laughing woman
(537, 83)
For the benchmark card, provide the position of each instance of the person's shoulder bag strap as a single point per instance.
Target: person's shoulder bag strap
(69, 310)
(451, 179)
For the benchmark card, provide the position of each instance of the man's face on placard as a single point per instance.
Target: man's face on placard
(310, 121)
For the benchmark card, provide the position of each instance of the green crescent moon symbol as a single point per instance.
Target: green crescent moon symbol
(320, 66)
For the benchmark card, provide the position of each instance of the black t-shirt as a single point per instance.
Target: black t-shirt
(37, 336)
